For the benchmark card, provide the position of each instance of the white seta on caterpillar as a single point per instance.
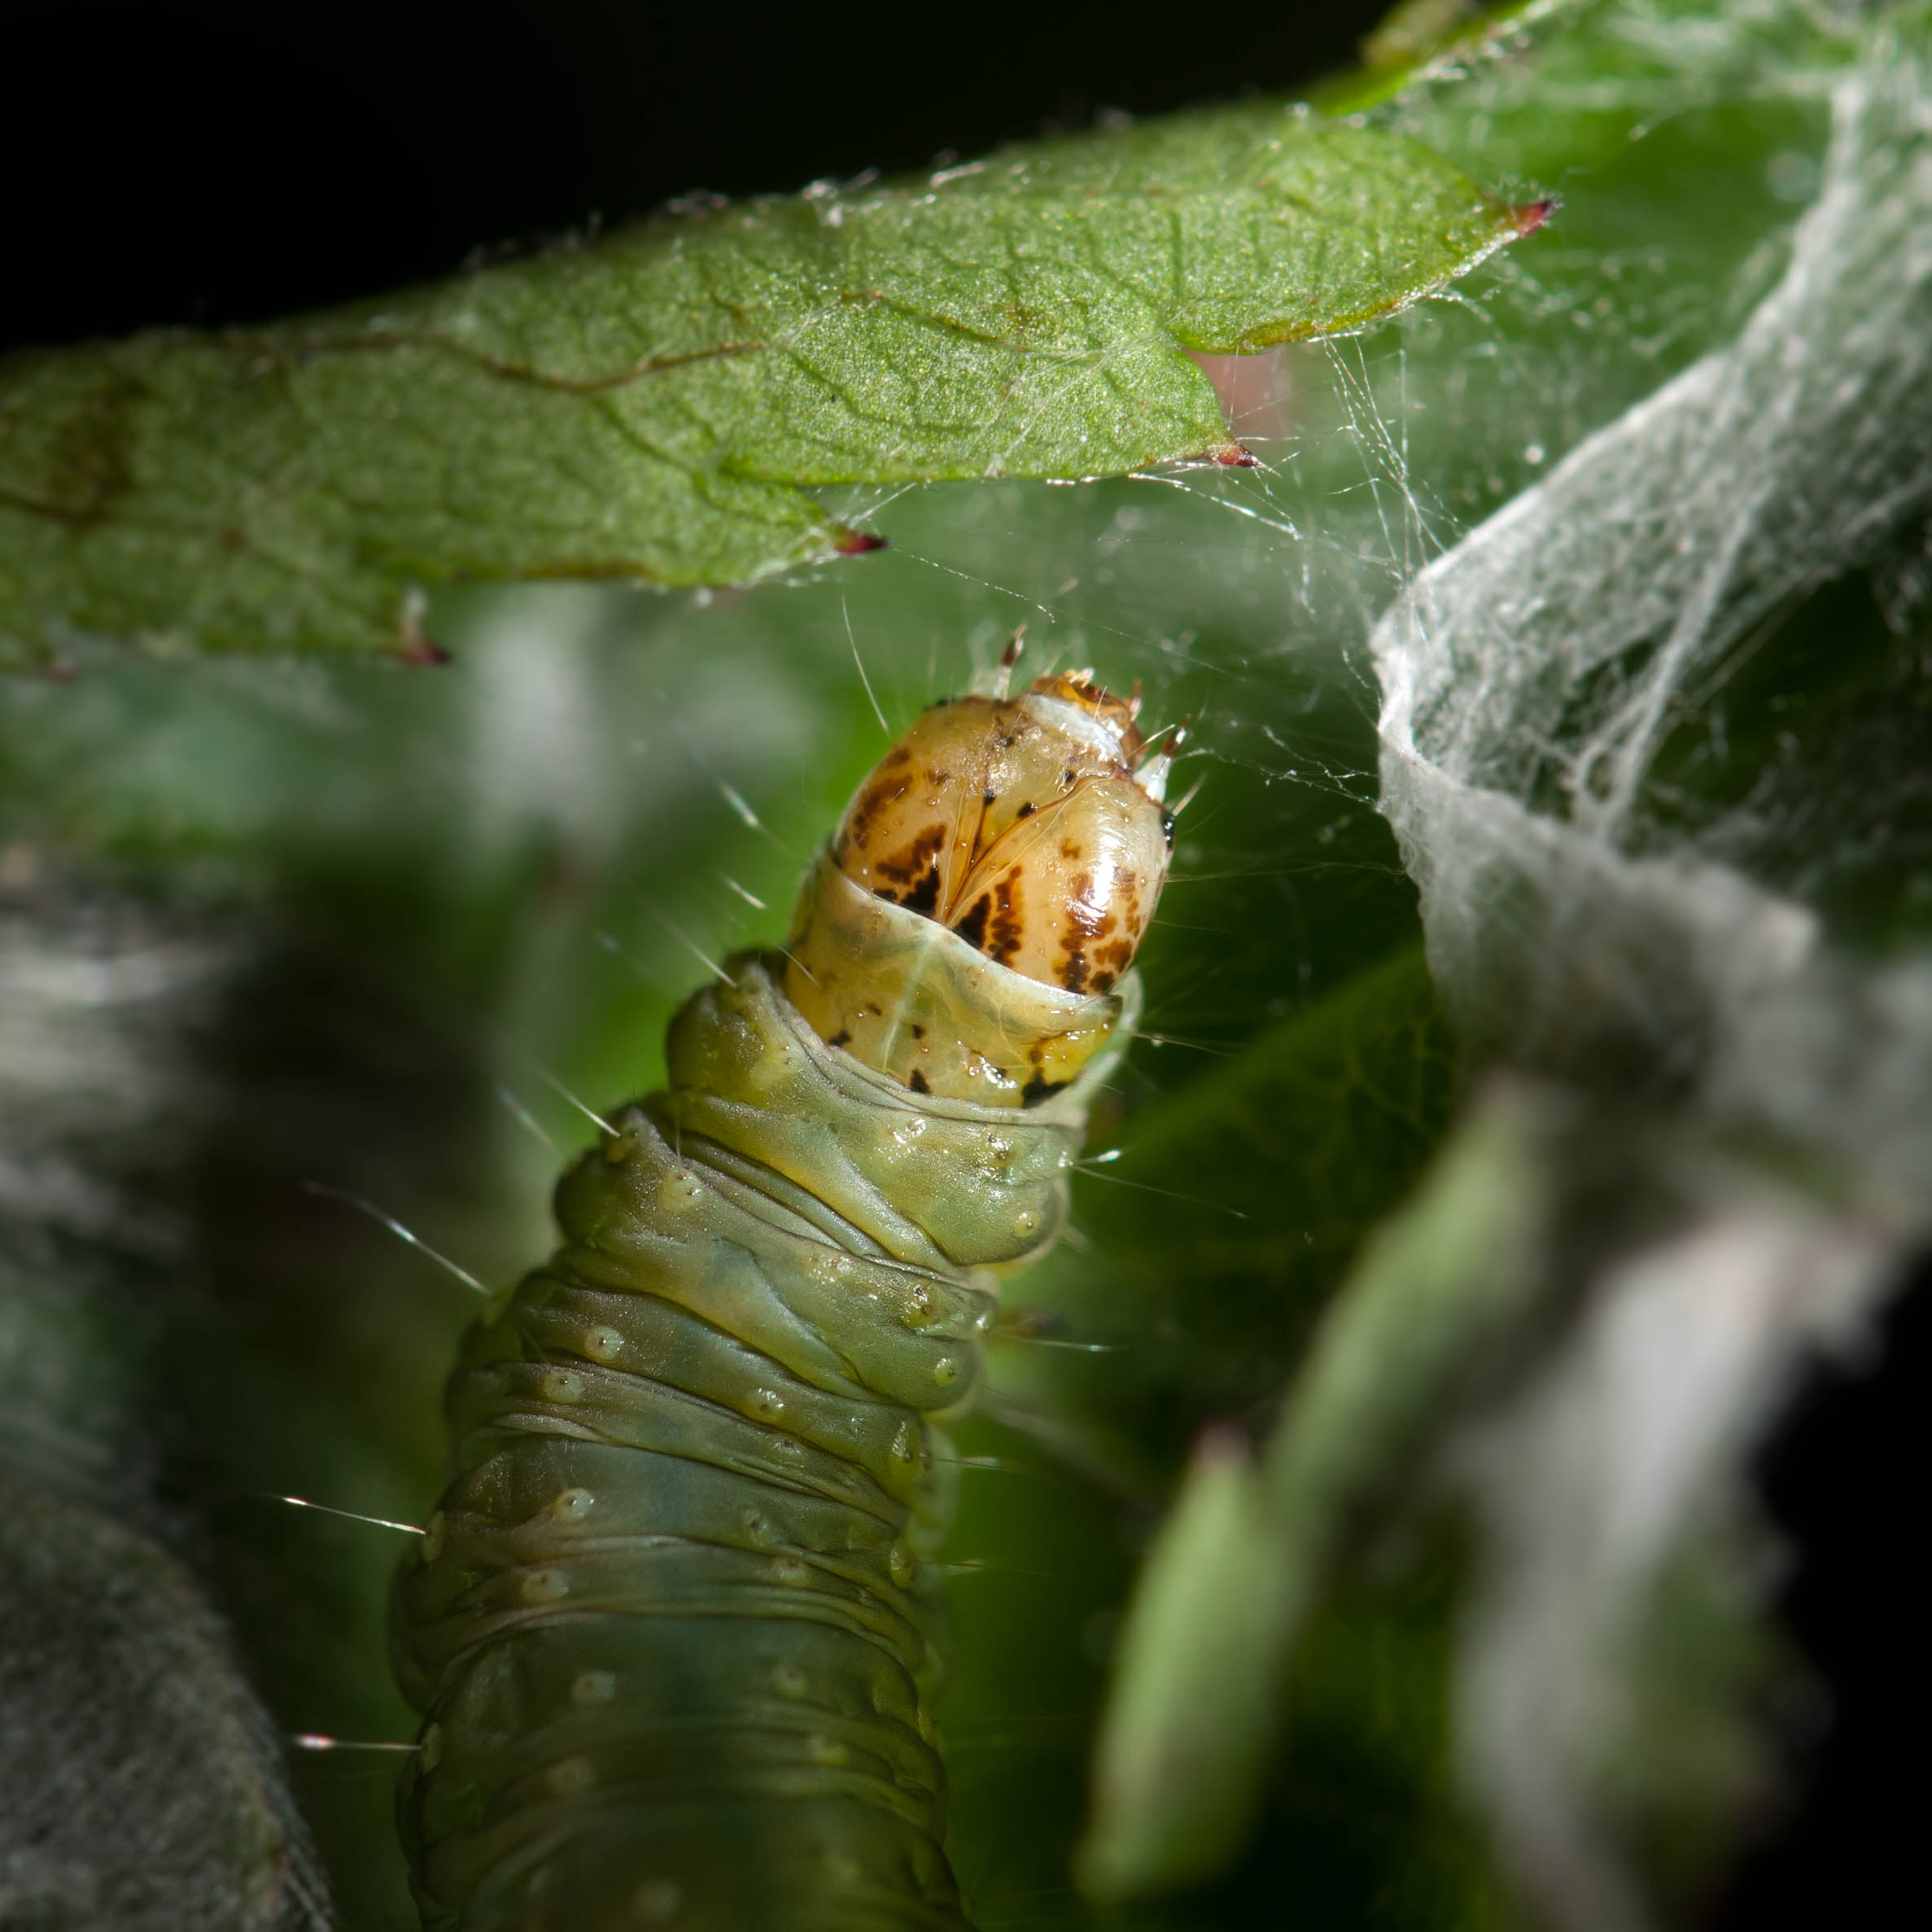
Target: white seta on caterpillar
(670, 1625)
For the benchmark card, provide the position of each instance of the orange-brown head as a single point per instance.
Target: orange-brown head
(1029, 829)
(1020, 824)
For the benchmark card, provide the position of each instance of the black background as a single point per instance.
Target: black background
(210, 163)
(206, 164)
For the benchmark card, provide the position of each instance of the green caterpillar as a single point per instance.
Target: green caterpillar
(671, 1624)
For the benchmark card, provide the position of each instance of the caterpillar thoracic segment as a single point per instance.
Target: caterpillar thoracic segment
(670, 1623)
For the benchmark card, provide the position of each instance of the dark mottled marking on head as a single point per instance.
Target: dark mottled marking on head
(988, 798)
(919, 1033)
(1027, 809)
(1086, 922)
(913, 860)
(917, 1081)
(924, 896)
(1037, 1090)
(972, 927)
(840, 1038)
(915, 870)
(885, 785)
(1070, 850)
(1009, 922)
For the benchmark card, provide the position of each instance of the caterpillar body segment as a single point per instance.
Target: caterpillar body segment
(672, 1626)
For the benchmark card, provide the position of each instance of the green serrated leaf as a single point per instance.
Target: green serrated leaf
(654, 407)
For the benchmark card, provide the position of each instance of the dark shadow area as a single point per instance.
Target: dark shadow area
(1843, 1481)
(210, 162)
(321, 1342)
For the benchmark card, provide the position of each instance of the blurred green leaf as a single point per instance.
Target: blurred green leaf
(1245, 1553)
(1224, 1219)
(651, 406)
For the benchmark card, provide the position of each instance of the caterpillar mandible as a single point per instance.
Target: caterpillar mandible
(670, 1625)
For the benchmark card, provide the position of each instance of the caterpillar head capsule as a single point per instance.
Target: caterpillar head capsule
(987, 889)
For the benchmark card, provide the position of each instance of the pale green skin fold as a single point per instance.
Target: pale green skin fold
(672, 1621)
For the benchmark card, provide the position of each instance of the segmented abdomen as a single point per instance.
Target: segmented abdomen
(670, 1623)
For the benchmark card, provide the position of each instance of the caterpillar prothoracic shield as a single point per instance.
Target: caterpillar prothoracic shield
(670, 1624)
